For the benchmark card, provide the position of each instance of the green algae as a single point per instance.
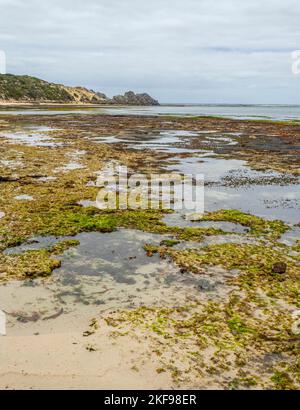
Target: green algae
(72, 219)
(34, 263)
(169, 242)
(282, 380)
(258, 226)
(253, 263)
(245, 257)
(150, 249)
(64, 245)
(30, 264)
(212, 338)
(296, 248)
(239, 340)
(237, 325)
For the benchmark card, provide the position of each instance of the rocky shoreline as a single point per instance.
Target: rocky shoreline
(147, 298)
(15, 90)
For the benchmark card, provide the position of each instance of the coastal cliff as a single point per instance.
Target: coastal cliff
(15, 89)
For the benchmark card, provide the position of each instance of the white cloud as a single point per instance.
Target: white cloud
(191, 51)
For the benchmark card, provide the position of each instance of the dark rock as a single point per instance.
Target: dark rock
(101, 95)
(279, 267)
(130, 98)
(8, 179)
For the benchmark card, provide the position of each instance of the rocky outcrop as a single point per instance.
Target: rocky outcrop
(31, 90)
(130, 98)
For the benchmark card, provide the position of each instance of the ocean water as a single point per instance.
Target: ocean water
(259, 112)
(267, 112)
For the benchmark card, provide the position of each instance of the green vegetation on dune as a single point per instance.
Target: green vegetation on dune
(26, 88)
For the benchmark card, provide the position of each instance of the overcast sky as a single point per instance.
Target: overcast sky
(223, 51)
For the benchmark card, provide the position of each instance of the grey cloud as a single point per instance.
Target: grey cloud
(191, 51)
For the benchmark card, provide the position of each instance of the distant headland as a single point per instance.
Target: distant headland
(24, 89)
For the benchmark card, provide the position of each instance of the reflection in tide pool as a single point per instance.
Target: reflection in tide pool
(230, 183)
(266, 201)
(36, 136)
(176, 219)
(106, 271)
